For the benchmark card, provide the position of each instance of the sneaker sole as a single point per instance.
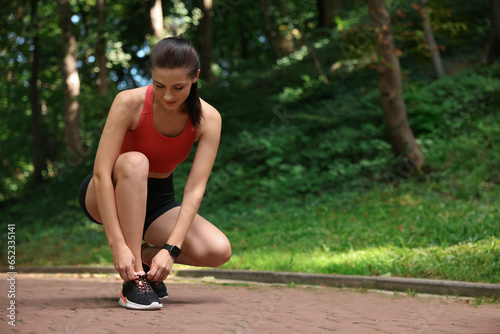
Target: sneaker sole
(134, 306)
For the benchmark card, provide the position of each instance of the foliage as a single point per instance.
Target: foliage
(340, 142)
(453, 102)
(452, 23)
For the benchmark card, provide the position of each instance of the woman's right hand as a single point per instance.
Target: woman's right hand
(124, 260)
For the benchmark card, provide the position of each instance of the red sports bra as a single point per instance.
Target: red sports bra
(164, 153)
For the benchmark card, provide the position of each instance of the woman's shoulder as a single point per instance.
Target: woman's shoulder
(131, 98)
(209, 112)
(127, 107)
(211, 121)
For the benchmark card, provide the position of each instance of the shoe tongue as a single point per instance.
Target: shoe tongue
(140, 273)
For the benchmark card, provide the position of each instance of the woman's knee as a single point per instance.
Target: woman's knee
(220, 252)
(131, 165)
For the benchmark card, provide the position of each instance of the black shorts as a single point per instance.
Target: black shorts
(161, 198)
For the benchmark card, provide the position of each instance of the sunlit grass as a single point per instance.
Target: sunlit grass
(468, 261)
(404, 231)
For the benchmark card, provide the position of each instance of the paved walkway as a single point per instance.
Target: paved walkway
(82, 304)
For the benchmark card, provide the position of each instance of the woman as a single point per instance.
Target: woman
(148, 132)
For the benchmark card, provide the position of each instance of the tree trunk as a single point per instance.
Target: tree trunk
(391, 89)
(156, 13)
(36, 137)
(281, 46)
(491, 50)
(326, 12)
(287, 44)
(205, 35)
(306, 42)
(268, 29)
(100, 51)
(71, 81)
(431, 42)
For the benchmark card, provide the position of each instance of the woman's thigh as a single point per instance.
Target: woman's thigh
(204, 245)
(91, 201)
(134, 165)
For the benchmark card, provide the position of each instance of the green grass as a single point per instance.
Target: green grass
(391, 231)
(381, 232)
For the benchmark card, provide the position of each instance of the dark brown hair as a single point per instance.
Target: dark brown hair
(177, 52)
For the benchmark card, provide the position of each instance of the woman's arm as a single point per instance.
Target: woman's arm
(194, 190)
(118, 122)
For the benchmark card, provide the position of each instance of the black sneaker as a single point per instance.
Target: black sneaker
(158, 287)
(138, 295)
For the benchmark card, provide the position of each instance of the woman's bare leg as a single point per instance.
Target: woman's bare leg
(130, 178)
(205, 245)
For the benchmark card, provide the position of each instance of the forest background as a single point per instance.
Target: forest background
(351, 144)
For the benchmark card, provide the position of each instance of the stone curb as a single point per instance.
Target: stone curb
(431, 286)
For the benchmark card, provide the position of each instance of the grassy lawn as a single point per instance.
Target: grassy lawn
(386, 231)
(391, 231)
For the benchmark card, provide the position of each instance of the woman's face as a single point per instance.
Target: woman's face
(172, 86)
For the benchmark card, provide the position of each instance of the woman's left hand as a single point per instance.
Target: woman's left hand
(161, 265)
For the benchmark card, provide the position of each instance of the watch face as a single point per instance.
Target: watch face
(175, 251)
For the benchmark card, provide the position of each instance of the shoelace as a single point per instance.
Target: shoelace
(142, 283)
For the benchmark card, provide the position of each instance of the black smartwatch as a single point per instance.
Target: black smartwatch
(173, 250)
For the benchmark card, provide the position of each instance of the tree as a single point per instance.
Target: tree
(100, 50)
(326, 12)
(282, 46)
(156, 13)
(391, 89)
(429, 37)
(305, 40)
(492, 48)
(205, 37)
(71, 80)
(34, 97)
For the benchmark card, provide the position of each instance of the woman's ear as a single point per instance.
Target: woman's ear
(195, 79)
